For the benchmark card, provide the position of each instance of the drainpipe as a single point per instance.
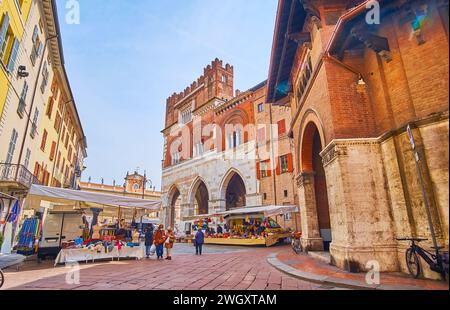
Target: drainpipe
(32, 101)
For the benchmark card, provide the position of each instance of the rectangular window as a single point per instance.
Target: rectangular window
(13, 56)
(12, 146)
(261, 135)
(50, 108)
(52, 151)
(265, 169)
(37, 169)
(59, 160)
(284, 164)
(288, 217)
(27, 158)
(44, 77)
(34, 124)
(286, 193)
(175, 158)
(305, 76)
(281, 127)
(44, 140)
(260, 107)
(37, 46)
(22, 100)
(4, 34)
(69, 156)
(57, 123)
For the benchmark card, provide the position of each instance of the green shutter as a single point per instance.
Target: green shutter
(13, 56)
(4, 29)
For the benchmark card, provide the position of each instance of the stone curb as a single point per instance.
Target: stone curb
(331, 281)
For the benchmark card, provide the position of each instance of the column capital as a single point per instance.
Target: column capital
(306, 177)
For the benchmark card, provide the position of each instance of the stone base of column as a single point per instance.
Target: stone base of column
(363, 259)
(313, 244)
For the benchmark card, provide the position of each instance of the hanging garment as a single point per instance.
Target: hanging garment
(14, 213)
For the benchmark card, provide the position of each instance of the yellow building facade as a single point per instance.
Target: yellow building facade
(41, 135)
(13, 14)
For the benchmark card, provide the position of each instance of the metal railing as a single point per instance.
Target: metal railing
(14, 173)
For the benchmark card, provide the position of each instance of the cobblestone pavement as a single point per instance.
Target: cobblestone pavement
(221, 268)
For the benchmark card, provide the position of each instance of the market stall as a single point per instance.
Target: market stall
(251, 226)
(86, 226)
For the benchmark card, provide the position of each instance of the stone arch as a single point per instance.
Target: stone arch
(173, 200)
(233, 190)
(199, 195)
(311, 117)
(313, 184)
(237, 117)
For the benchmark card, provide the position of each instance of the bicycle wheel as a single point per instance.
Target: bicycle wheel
(412, 262)
(2, 279)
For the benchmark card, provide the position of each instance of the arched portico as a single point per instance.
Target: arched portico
(199, 197)
(233, 190)
(312, 186)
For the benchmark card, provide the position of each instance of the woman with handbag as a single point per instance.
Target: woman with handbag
(160, 238)
(169, 243)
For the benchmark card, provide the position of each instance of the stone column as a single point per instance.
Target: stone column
(360, 211)
(218, 205)
(308, 209)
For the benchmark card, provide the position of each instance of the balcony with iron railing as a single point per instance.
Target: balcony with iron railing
(15, 176)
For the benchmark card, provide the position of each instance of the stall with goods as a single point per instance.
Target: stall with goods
(250, 226)
(85, 226)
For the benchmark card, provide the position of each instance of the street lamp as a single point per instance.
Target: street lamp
(144, 184)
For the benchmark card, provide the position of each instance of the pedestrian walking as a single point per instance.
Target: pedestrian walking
(169, 243)
(199, 241)
(160, 238)
(148, 240)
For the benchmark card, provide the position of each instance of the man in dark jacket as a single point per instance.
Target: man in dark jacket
(148, 240)
(199, 240)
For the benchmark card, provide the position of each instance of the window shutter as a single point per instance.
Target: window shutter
(35, 34)
(269, 169)
(4, 29)
(52, 152)
(13, 57)
(281, 127)
(290, 163)
(278, 168)
(258, 171)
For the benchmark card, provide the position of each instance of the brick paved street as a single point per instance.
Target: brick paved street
(222, 268)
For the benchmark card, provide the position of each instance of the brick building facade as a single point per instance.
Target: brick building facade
(217, 150)
(353, 87)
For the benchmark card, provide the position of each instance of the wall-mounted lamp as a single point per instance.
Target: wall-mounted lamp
(22, 72)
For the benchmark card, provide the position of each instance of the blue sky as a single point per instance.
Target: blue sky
(126, 57)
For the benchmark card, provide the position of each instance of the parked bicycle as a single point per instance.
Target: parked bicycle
(437, 262)
(2, 278)
(297, 242)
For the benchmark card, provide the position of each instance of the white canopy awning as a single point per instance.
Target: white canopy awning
(267, 210)
(64, 196)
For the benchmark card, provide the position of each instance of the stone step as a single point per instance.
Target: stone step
(322, 256)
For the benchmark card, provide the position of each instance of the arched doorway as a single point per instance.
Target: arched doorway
(235, 192)
(174, 215)
(200, 198)
(312, 165)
